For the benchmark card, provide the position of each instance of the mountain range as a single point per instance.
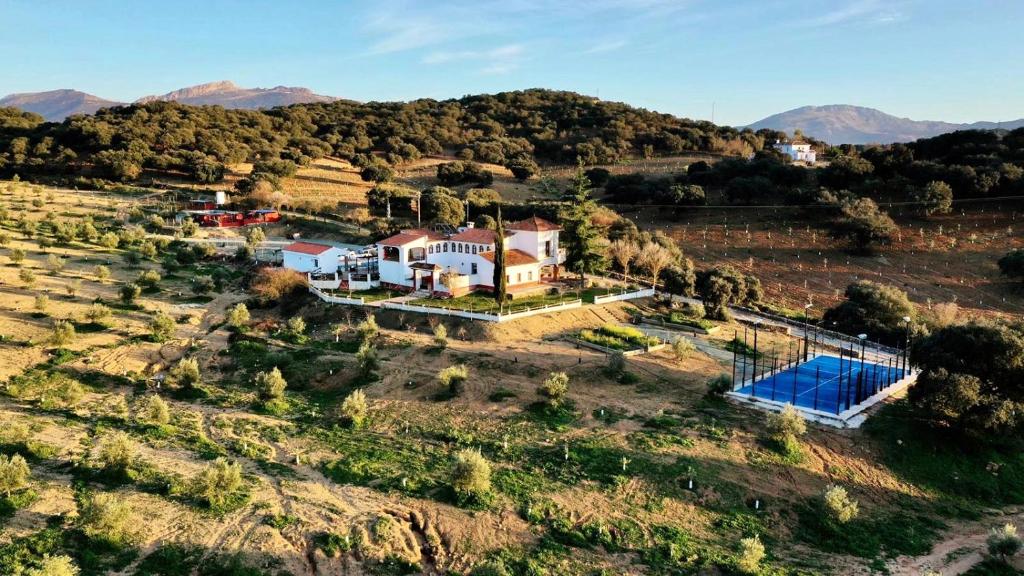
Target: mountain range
(845, 124)
(55, 105)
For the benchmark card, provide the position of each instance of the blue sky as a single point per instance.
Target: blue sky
(951, 60)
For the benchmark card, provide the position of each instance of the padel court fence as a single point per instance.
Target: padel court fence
(816, 372)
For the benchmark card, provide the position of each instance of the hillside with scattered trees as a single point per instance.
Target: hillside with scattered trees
(513, 129)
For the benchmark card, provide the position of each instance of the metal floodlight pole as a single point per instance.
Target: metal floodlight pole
(796, 372)
(734, 383)
(755, 350)
(807, 307)
(906, 344)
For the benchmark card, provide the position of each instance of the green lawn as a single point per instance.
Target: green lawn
(485, 303)
(371, 295)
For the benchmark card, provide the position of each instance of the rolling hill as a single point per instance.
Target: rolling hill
(56, 105)
(845, 124)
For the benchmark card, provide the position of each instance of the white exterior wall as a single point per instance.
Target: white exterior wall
(326, 261)
(800, 152)
(398, 273)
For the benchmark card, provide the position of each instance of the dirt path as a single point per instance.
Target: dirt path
(962, 548)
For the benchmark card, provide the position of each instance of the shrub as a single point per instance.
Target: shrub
(14, 432)
(54, 566)
(354, 409)
(129, 292)
(149, 279)
(682, 348)
(751, 554)
(154, 411)
(366, 359)
(785, 428)
(14, 474)
(116, 452)
(41, 303)
(98, 314)
(453, 378)
(555, 388)
(63, 333)
(54, 263)
(52, 391)
(440, 336)
(616, 362)
(471, 475)
(1004, 542)
(838, 505)
(16, 255)
(27, 277)
(238, 317)
(184, 374)
(296, 326)
(161, 327)
(102, 273)
(368, 329)
(270, 385)
(108, 518)
(203, 285)
(720, 384)
(272, 284)
(218, 482)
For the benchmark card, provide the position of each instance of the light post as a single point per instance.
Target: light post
(807, 308)
(906, 344)
(860, 375)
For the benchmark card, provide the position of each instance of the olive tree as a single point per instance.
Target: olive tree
(354, 409)
(838, 504)
(108, 518)
(471, 475)
(14, 474)
(218, 482)
(555, 388)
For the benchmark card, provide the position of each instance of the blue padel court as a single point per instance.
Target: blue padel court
(826, 383)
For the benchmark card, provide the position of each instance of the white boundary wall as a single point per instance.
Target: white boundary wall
(645, 293)
(481, 315)
(336, 299)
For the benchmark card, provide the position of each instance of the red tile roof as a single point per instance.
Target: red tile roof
(513, 257)
(534, 224)
(408, 236)
(307, 248)
(476, 236)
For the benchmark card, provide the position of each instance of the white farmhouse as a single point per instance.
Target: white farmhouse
(456, 264)
(310, 256)
(798, 151)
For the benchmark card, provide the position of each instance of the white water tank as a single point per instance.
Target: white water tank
(220, 198)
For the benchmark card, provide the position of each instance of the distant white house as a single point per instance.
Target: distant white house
(456, 264)
(798, 151)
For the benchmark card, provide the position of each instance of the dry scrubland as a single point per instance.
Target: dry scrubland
(595, 483)
(942, 259)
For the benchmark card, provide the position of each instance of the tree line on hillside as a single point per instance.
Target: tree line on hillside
(513, 129)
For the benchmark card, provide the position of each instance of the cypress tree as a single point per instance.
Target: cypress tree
(580, 236)
(500, 284)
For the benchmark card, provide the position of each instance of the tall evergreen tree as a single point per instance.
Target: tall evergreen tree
(579, 234)
(500, 283)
